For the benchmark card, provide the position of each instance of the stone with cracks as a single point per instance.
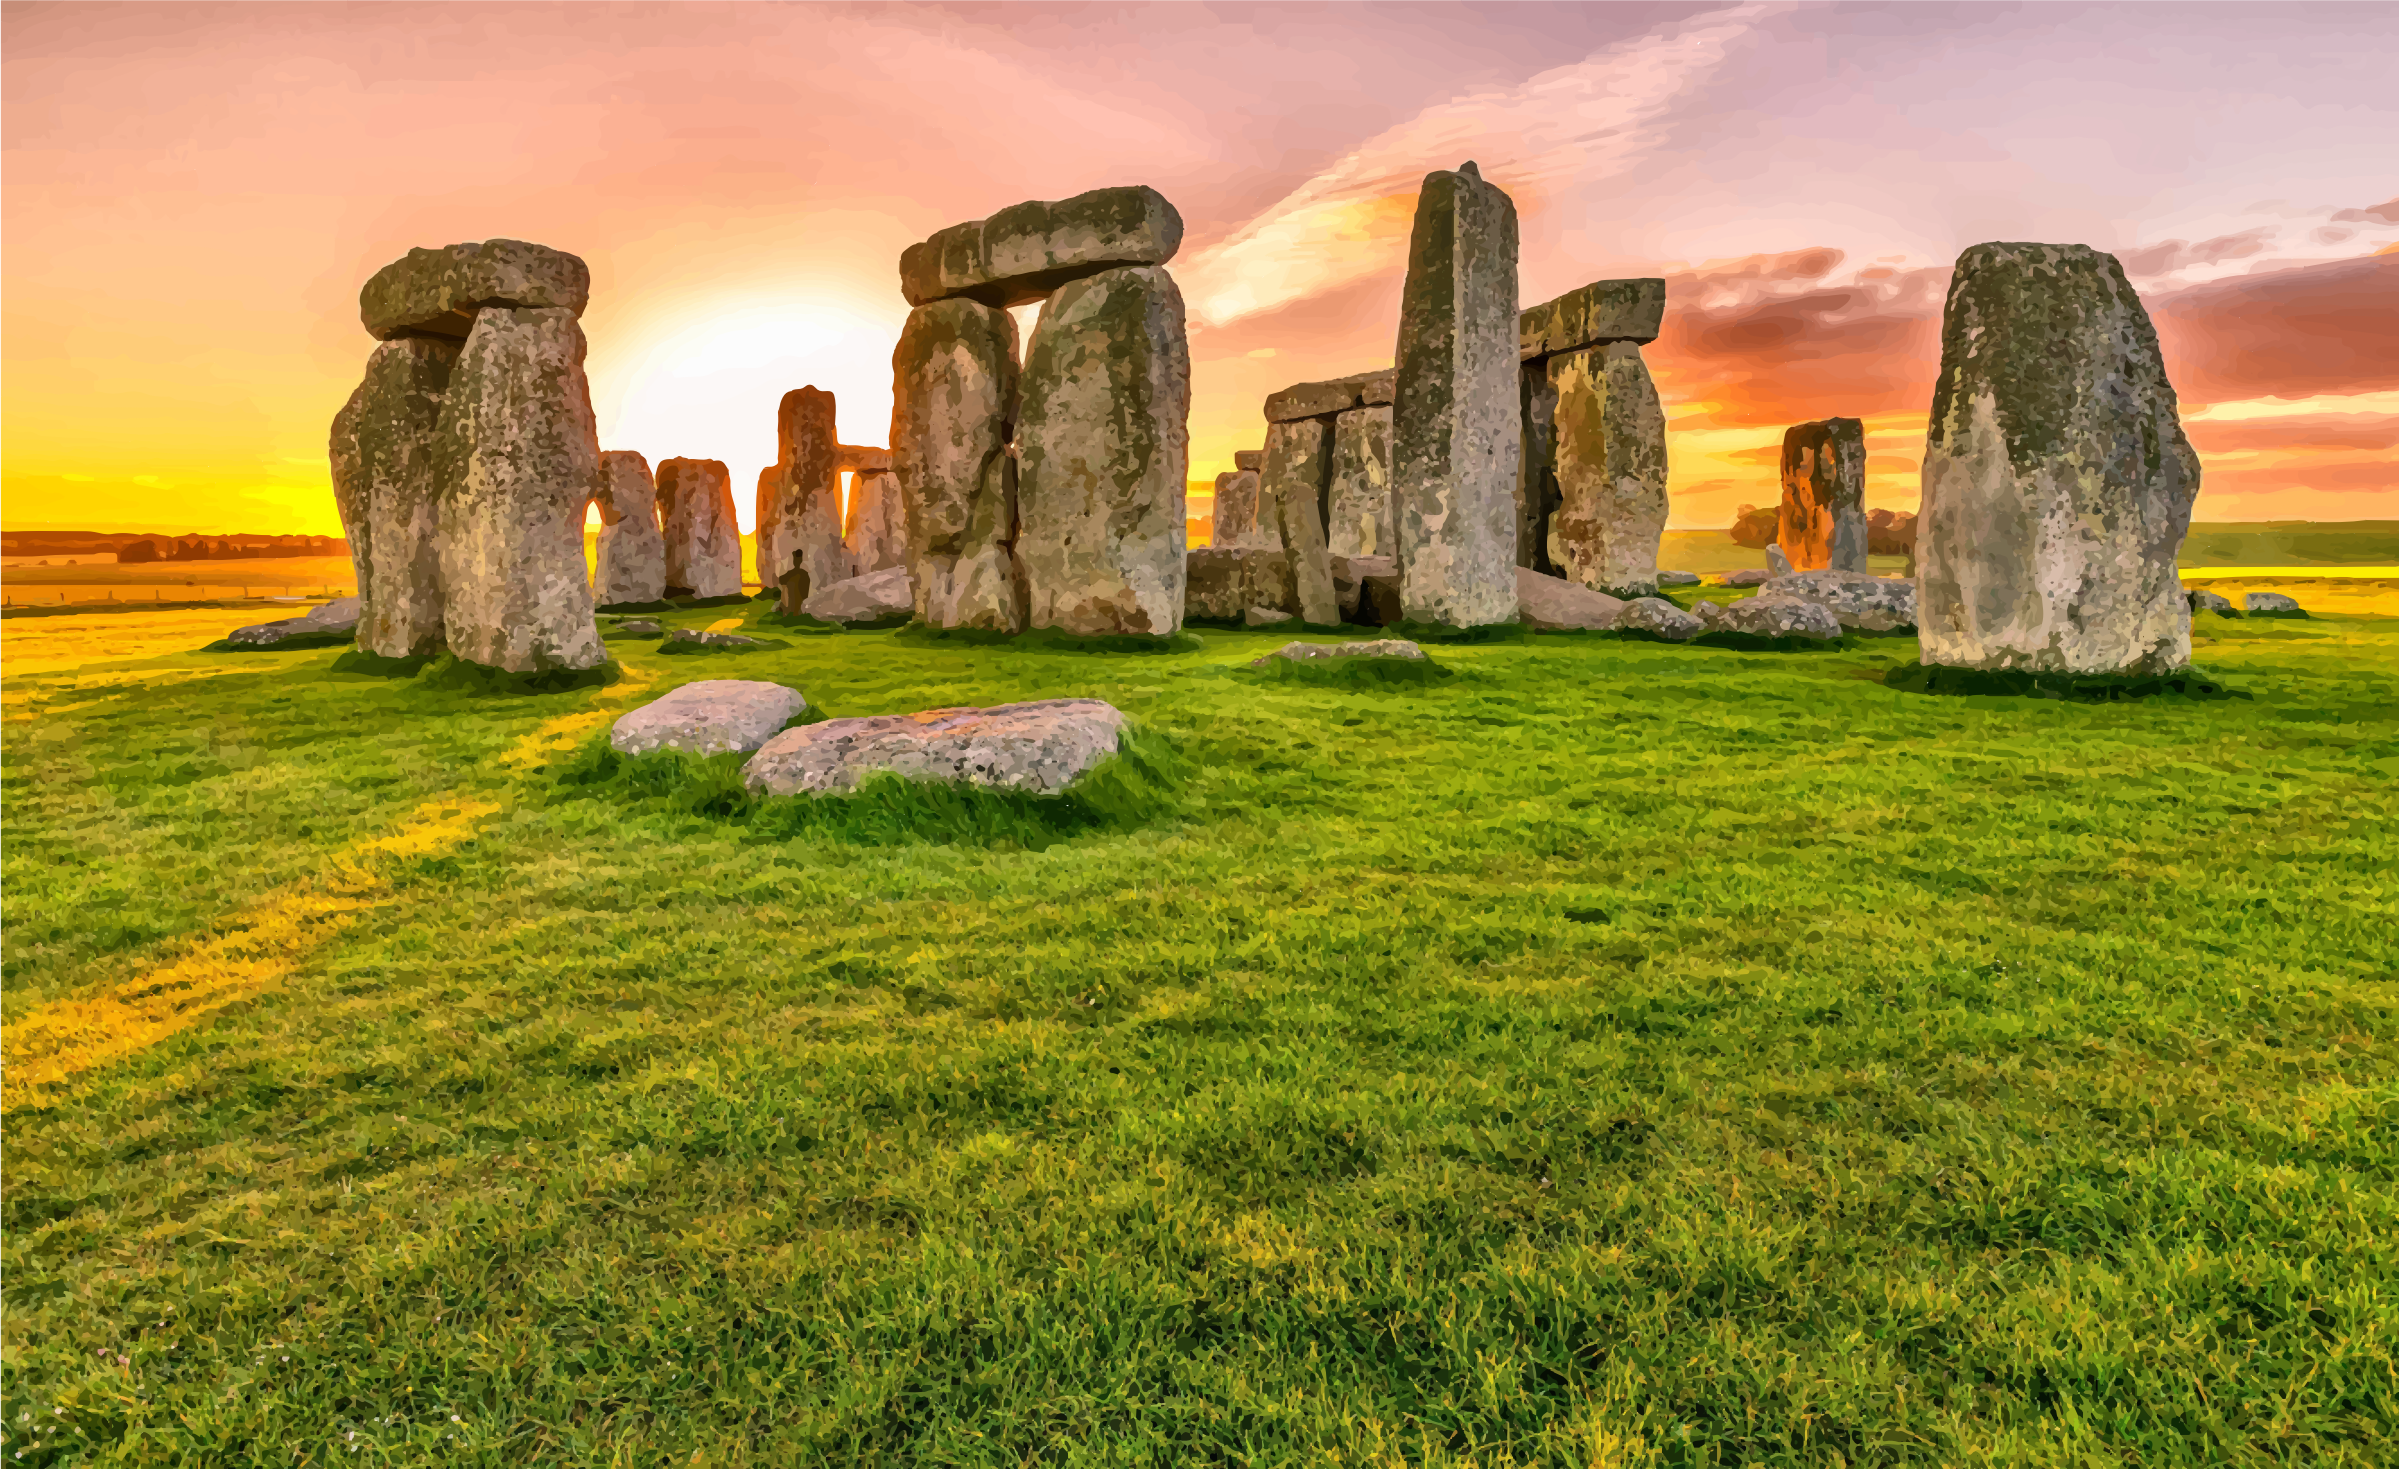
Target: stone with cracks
(1659, 618)
(807, 502)
(337, 616)
(877, 537)
(517, 454)
(1337, 395)
(1223, 582)
(1554, 604)
(1029, 250)
(1316, 652)
(1610, 459)
(1233, 522)
(1299, 464)
(1358, 498)
(877, 596)
(1041, 747)
(703, 540)
(1854, 598)
(954, 390)
(710, 717)
(1773, 615)
(1593, 315)
(2057, 480)
(1103, 456)
(383, 449)
(1823, 519)
(1456, 439)
(632, 550)
(2203, 600)
(436, 293)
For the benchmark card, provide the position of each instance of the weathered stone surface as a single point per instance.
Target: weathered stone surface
(1601, 312)
(1027, 251)
(636, 627)
(1536, 465)
(2271, 604)
(807, 497)
(1267, 617)
(632, 550)
(703, 540)
(1223, 582)
(1358, 499)
(766, 541)
(437, 292)
(384, 448)
(1249, 459)
(337, 616)
(874, 597)
(2057, 480)
(351, 497)
(1611, 470)
(1709, 613)
(709, 717)
(1233, 523)
(1777, 564)
(877, 537)
(1317, 652)
(2203, 600)
(1042, 747)
(517, 454)
(1753, 577)
(954, 395)
(1855, 598)
(862, 457)
(1455, 434)
(1103, 456)
(1299, 466)
(1336, 395)
(1678, 578)
(1657, 616)
(690, 637)
(1554, 604)
(1770, 614)
(1823, 520)
(1349, 580)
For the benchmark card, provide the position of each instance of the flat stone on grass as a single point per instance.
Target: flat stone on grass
(2271, 604)
(1041, 747)
(709, 717)
(337, 618)
(1378, 648)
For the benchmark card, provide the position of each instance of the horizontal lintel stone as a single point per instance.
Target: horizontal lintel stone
(1603, 311)
(436, 293)
(1026, 251)
(1316, 400)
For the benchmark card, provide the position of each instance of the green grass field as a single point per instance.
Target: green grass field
(1614, 1054)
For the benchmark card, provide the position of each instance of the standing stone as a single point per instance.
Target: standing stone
(632, 551)
(808, 490)
(1456, 439)
(953, 401)
(2057, 481)
(1103, 444)
(384, 450)
(877, 537)
(350, 494)
(518, 456)
(1823, 522)
(1611, 471)
(1249, 459)
(1299, 467)
(766, 542)
(1358, 503)
(1235, 522)
(1537, 466)
(703, 540)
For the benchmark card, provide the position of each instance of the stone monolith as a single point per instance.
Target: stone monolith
(518, 455)
(1234, 517)
(1299, 467)
(953, 400)
(877, 536)
(1358, 499)
(808, 489)
(1455, 431)
(632, 550)
(1610, 461)
(703, 540)
(1823, 521)
(383, 452)
(1103, 453)
(2057, 480)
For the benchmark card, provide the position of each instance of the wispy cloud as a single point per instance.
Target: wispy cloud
(1571, 125)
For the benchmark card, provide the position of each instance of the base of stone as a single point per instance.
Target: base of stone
(1050, 639)
(343, 639)
(374, 665)
(457, 675)
(2079, 688)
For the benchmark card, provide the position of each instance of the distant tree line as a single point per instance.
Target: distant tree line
(229, 548)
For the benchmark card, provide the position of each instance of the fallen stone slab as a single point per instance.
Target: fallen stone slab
(436, 293)
(1553, 604)
(1267, 617)
(2271, 604)
(1750, 578)
(1336, 395)
(1856, 599)
(1678, 578)
(2203, 600)
(1660, 619)
(684, 638)
(1029, 250)
(336, 621)
(1042, 747)
(709, 717)
(1768, 615)
(1603, 311)
(1311, 652)
(878, 596)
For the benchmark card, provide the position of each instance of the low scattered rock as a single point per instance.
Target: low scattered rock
(337, 616)
(1659, 618)
(1042, 747)
(2203, 600)
(1709, 613)
(1856, 599)
(1771, 615)
(874, 597)
(1554, 604)
(1379, 648)
(1265, 617)
(2271, 604)
(709, 717)
(1678, 578)
(1746, 578)
(684, 636)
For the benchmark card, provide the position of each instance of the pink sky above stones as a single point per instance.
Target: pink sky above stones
(194, 193)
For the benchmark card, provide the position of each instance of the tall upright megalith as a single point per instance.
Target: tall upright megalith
(383, 473)
(1455, 434)
(632, 551)
(1823, 520)
(703, 539)
(807, 500)
(2057, 481)
(953, 409)
(1299, 467)
(1608, 447)
(518, 455)
(876, 531)
(1103, 455)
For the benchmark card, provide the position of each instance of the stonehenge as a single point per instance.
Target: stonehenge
(2057, 480)
(1325, 486)
(1823, 521)
(466, 458)
(703, 540)
(632, 551)
(1046, 493)
(1456, 440)
(1591, 484)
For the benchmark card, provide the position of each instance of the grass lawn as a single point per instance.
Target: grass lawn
(1614, 1054)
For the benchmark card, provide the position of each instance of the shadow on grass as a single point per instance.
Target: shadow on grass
(1929, 678)
(301, 643)
(802, 622)
(445, 673)
(1139, 785)
(1048, 640)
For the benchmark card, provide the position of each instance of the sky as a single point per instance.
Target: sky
(192, 194)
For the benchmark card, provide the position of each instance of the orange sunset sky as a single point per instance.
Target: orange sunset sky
(193, 195)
